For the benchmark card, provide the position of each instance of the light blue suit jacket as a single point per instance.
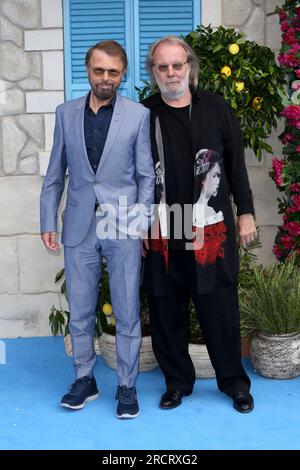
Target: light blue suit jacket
(125, 168)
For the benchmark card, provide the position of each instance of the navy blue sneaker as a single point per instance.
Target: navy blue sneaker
(128, 406)
(81, 391)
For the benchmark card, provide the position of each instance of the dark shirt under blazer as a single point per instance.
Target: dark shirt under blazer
(96, 127)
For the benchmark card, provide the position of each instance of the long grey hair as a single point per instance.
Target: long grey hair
(191, 58)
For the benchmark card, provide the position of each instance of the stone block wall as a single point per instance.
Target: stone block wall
(31, 86)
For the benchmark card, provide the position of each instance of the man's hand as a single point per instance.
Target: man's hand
(246, 229)
(50, 240)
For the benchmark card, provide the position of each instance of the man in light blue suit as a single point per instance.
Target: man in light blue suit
(104, 141)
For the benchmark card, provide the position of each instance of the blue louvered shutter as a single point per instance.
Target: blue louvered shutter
(135, 24)
(87, 22)
(158, 18)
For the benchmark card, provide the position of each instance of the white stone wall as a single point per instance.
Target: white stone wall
(31, 86)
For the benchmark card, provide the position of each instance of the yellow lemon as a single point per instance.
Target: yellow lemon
(233, 49)
(239, 86)
(107, 309)
(256, 103)
(113, 322)
(226, 71)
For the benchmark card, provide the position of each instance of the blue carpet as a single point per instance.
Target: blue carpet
(37, 373)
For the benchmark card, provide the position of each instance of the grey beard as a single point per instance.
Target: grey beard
(176, 94)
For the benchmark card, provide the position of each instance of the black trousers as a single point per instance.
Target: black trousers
(218, 315)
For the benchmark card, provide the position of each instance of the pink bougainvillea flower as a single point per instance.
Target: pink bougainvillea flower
(288, 236)
(287, 138)
(289, 37)
(277, 251)
(284, 26)
(295, 85)
(282, 15)
(293, 228)
(295, 187)
(287, 241)
(296, 201)
(277, 166)
(292, 112)
(288, 60)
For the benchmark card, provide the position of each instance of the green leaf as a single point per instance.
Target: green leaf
(259, 154)
(63, 289)
(56, 321)
(253, 140)
(267, 147)
(194, 35)
(271, 89)
(233, 103)
(59, 275)
(217, 48)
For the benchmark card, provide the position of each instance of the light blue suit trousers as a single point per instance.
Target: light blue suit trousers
(83, 271)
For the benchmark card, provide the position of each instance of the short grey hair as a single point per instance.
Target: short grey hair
(192, 59)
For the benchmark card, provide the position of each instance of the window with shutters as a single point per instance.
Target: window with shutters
(135, 24)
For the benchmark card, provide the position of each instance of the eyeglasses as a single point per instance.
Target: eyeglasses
(163, 68)
(112, 73)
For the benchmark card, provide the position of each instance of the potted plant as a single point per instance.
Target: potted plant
(59, 318)
(247, 257)
(104, 342)
(270, 310)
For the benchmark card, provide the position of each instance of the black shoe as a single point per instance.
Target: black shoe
(128, 406)
(243, 402)
(81, 391)
(170, 399)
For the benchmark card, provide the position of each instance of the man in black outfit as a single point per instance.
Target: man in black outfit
(199, 160)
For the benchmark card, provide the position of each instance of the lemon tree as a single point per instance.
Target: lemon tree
(247, 76)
